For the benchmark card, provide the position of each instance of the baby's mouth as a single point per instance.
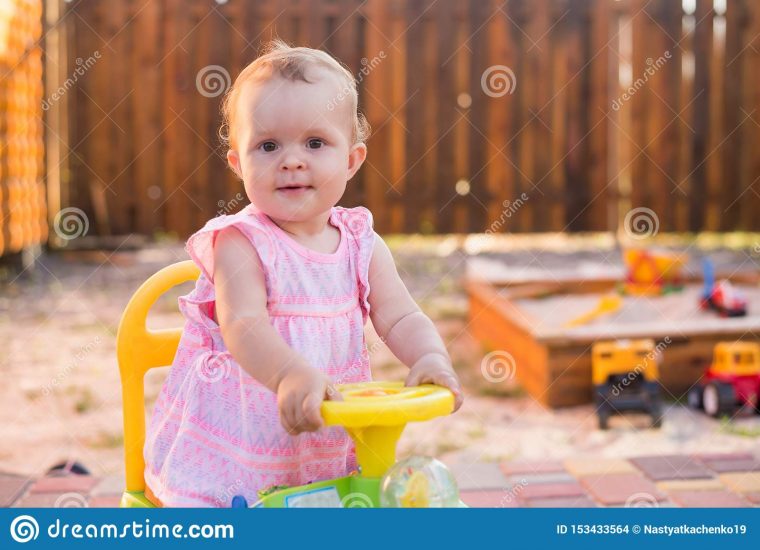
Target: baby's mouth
(290, 189)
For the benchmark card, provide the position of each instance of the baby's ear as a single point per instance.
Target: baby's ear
(233, 160)
(356, 157)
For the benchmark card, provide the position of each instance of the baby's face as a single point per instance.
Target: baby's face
(293, 153)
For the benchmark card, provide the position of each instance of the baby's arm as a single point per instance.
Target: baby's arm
(241, 301)
(408, 332)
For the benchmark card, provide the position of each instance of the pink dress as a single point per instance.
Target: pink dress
(215, 431)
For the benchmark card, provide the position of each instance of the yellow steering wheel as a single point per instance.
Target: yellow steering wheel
(375, 414)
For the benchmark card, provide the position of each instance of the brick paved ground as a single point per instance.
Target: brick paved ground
(714, 480)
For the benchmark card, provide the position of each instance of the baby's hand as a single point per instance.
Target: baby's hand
(299, 396)
(434, 368)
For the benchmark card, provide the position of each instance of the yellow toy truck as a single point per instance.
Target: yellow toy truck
(625, 377)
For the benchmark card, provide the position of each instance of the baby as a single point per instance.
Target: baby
(276, 318)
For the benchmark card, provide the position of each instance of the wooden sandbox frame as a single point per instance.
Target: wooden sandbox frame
(554, 366)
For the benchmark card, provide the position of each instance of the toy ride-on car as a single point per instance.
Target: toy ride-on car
(373, 413)
(624, 375)
(731, 381)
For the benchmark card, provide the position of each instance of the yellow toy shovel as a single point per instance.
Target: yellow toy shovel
(607, 304)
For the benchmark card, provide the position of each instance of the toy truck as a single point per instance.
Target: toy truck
(625, 378)
(722, 296)
(731, 381)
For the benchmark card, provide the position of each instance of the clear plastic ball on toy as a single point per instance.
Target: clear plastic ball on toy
(419, 482)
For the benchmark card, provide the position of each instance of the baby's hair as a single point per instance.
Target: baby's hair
(291, 63)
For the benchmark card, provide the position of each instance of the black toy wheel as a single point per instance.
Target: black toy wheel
(604, 418)
(718, 399)
(694, 397)
(656, 413)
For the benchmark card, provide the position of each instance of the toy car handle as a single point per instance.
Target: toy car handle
(386, 404)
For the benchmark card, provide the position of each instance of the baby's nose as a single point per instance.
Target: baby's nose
(291, 162)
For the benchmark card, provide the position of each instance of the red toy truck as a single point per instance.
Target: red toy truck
(731, 381)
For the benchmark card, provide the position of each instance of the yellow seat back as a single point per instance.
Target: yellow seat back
(139, 350)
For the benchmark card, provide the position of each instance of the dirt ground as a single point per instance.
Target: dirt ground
(61, 396)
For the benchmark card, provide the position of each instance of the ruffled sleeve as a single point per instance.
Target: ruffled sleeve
(199, 304)
(359, 224)
(200, 245)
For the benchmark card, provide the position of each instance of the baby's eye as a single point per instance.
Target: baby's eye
(268, 146)
(315, 143)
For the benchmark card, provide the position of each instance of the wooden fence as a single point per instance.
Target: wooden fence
(523, 115)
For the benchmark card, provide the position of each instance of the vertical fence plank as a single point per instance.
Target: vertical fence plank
(147, 184)
(377, 98)
(749, 204)
(444, 176)
(701, 122)
(499, 168)
(413, 187)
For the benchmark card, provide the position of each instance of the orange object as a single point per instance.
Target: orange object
(652, 273)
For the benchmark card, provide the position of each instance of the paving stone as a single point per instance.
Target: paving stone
(723, 456)
(733, 465)
(561, 502)
(591, 466)
(110, 485)
(533, 479)
(711, 484)
(549, 490)
(11, 488)
(741, 482)
(105, 501)
(65, 484)
(660, 468)
(479, 475)
(708, 499)
(632, 489)
(532, 467)
(488, 499)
